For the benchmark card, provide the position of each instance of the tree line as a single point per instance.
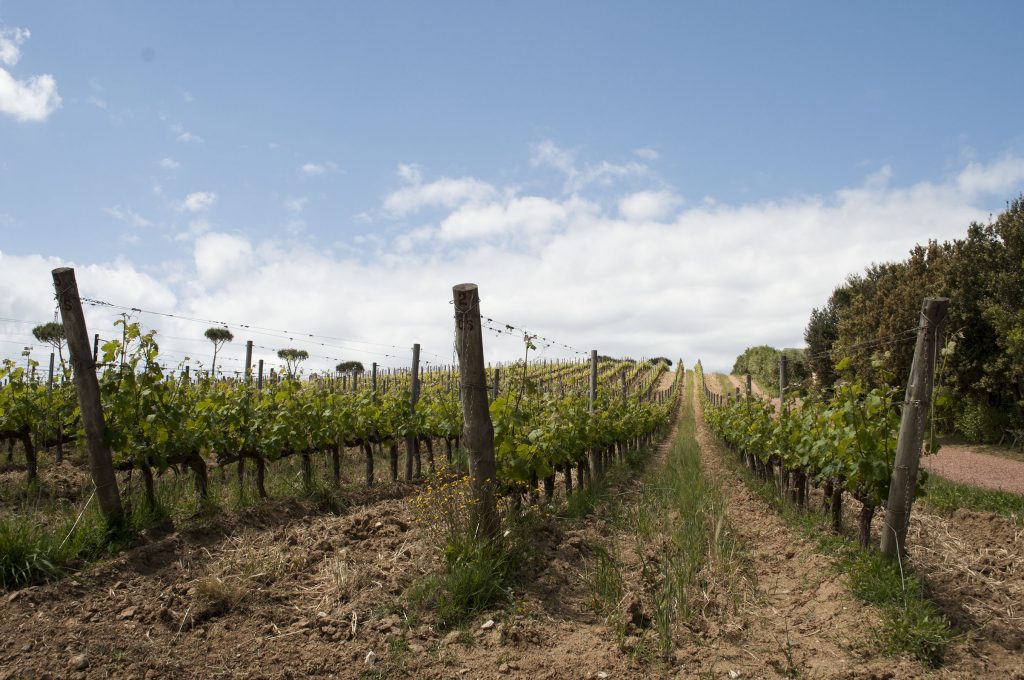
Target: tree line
(868, 323)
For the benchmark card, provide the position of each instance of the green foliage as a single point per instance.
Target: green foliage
(872, 318)
(911, 624)
(978, 421)
(946, 497)
(292, 358)
(762, 363)
(350, 367)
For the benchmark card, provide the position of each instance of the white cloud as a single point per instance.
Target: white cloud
(442, 193)
(128, 216)
(1002, 176)
(218, 256)
(169, 164)
(296, 204)
(577, 177)
(10, 44)
(187, 137)
(198, 201)
(97, 102)
(656, 277)
(29, 100)
(647, 154)
(644, 206)
(314, 169)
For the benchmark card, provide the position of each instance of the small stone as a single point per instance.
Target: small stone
(27, 647)
(503, 668)
(736, 674)
(321, 615)
(489, 623)
(78, 662)
(450, 639)
(371, 658)
(602, 674)
(127, 613)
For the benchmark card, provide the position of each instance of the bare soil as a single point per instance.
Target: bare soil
(281, 590)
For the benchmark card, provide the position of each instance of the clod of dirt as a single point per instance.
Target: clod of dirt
(450, 639)
(79, 662)
(635, 612)
(371, 658)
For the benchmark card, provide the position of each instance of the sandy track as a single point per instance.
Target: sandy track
(960, 464)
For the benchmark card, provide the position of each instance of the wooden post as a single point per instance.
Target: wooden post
(259, 375)
(87, 386)
(248, 360)
(95, 348)
(916, 406)
(783, 383)
(59, 451)
(373, 384)
(496, 387)
(750, 386)
(783, 380)
(477, 429)
(595, 454)
(410, 440)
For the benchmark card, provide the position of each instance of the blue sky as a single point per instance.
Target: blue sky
(202, 153)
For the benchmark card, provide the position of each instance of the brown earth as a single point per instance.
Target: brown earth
(280, 590)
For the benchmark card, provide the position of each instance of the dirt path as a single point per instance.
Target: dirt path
(973, 563)
(806, 622)
(959, 463)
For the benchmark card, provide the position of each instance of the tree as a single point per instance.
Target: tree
(350, 368)
(292, 358)
(53, 334)
(821, 333)
(218, 336)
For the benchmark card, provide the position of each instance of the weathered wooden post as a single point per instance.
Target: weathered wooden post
(783, 383)
(373, 379)
(477, 429)
(411, 444)
(916, 405)
(750, 385)
(95, 348)
(59, 450)
(87, 387)
(496, 388)
(595, 454)
(248, 360)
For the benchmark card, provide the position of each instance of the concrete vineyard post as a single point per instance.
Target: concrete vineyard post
(477, 429)
(916, 406)
(87, 387)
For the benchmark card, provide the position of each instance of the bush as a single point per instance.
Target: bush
(979, 422)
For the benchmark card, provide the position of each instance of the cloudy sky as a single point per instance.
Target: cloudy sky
(679, 179)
